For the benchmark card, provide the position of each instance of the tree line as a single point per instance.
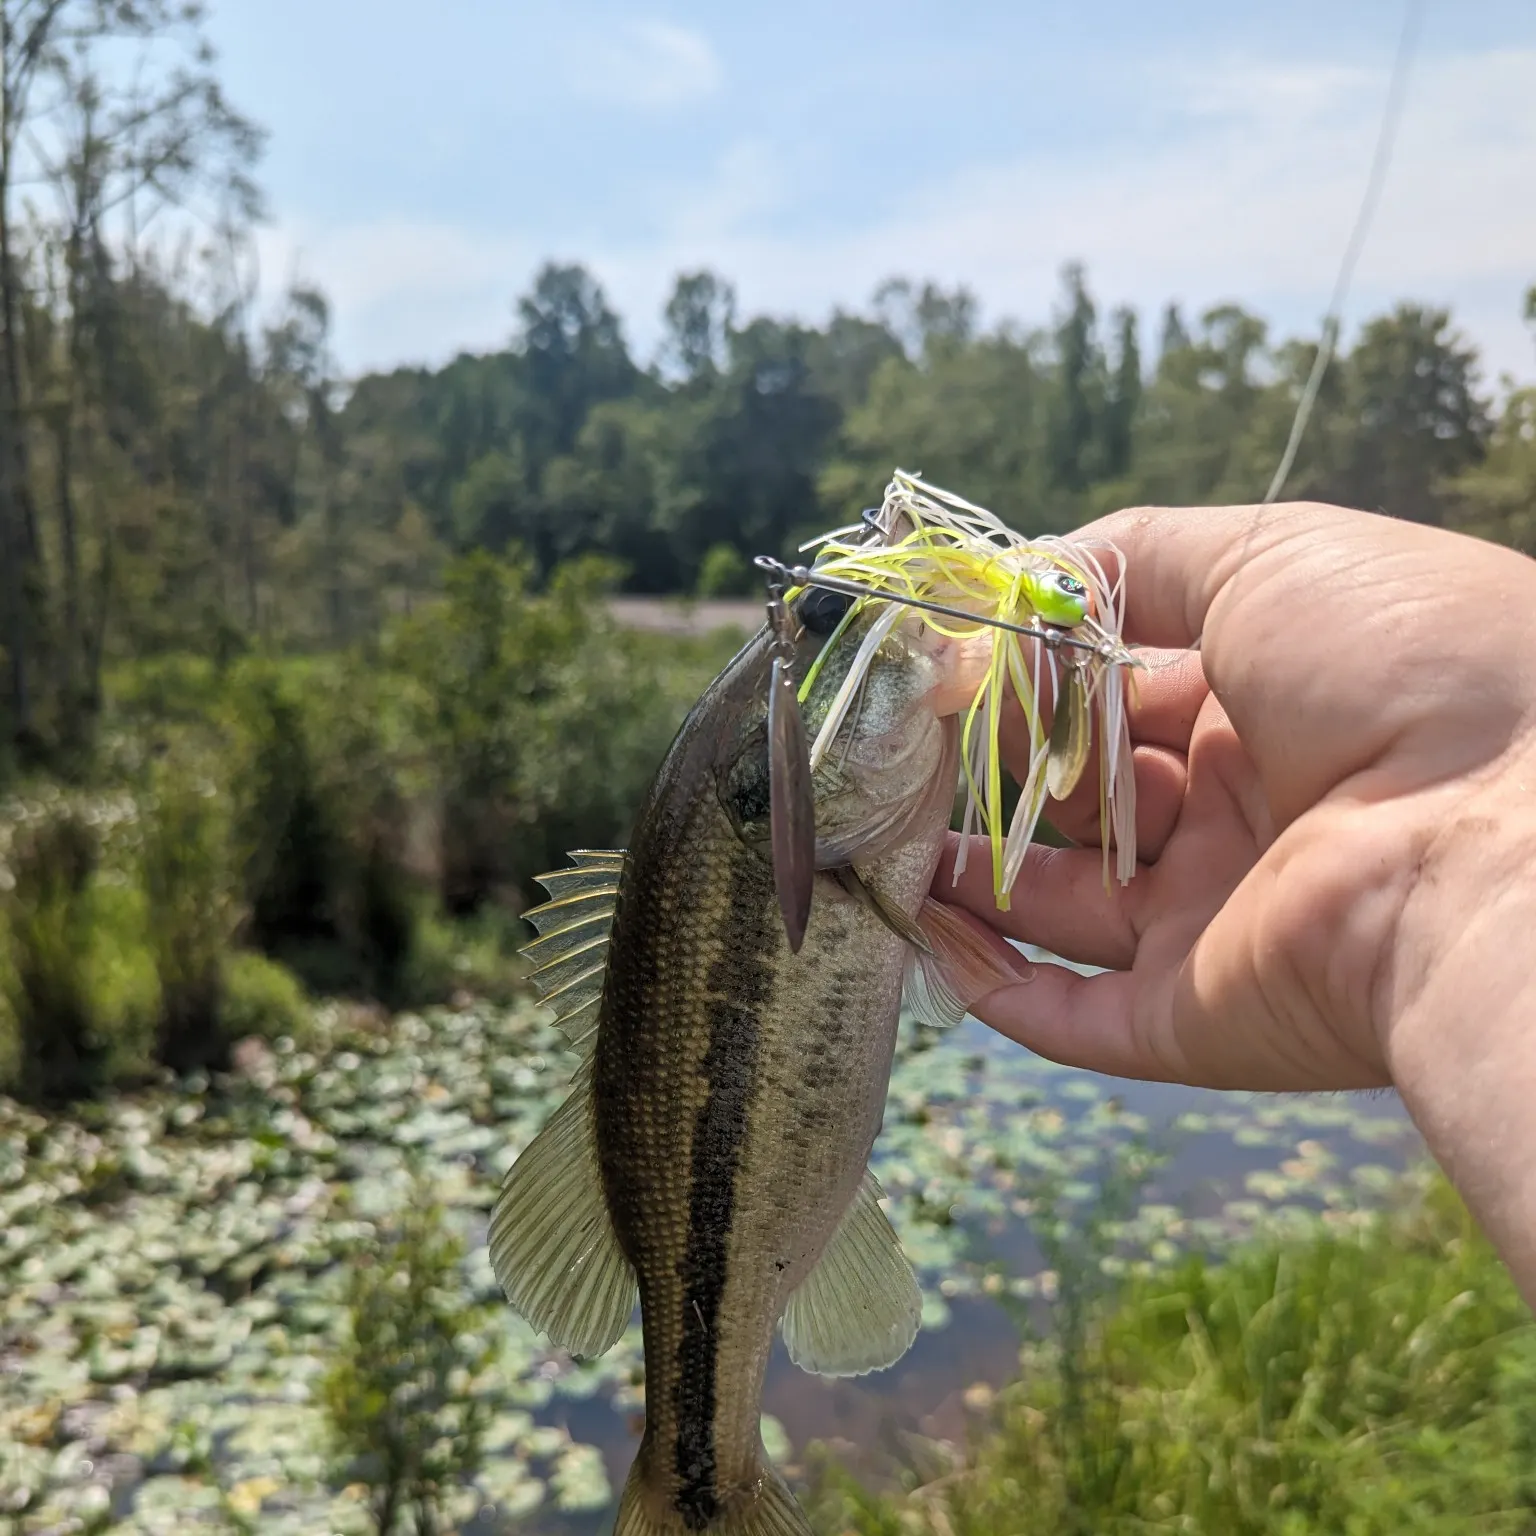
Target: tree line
(179, 472)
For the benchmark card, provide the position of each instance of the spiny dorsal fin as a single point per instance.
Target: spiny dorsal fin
(962, 967)
(552, 1241)
(858, 1310)
(570, 955)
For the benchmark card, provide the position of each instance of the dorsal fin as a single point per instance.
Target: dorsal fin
(570, 955)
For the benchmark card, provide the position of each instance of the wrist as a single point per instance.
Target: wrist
(1456, 999)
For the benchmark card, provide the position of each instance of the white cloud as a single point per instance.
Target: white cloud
(1248, 193)
(1256, 208)
(1240, 88)
(747, 183)
(403, 292)
(647, 64)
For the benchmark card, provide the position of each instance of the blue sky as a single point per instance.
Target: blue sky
(1203, 151)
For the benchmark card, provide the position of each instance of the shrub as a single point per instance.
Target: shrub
(80, 991)
(322, 829)
(1375, 1379)
(285, 837)
(187, 879)
(724, 572)
(476, 955)
(261, 997)
(543, 721)
(405, 1395)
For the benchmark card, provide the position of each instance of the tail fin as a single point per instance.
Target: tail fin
(770, 1511)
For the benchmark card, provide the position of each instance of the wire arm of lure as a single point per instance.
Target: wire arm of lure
(1052, 639)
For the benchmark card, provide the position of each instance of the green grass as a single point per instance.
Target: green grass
(1374, 1377)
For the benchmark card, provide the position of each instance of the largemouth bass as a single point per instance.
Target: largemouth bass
(712, 1158)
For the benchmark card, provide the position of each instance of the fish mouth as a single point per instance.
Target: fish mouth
(961, 665)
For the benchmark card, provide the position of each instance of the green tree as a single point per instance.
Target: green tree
(922, 318)
(699, 318)
(973, 416)
(1496, 499)
(1205, 430)
(845, 356)
(573, 356)
(1080, 387)
(1123, 400)
(113, 107)
(747, 457)
(1415, 419)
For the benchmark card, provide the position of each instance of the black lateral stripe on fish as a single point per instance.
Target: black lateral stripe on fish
(741, 982)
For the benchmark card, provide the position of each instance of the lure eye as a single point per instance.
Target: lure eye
(1060, 598)
(821, 611)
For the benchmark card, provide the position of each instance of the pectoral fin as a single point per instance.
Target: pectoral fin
(552, 1242)
(858, 1310)
(883, 908)
(962, 966)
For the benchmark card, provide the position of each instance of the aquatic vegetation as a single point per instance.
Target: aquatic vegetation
(174, 1265)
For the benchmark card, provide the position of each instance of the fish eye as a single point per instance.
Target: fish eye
(821, 610)
(1070, 585)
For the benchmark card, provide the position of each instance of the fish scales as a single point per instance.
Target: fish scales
(738, 1092)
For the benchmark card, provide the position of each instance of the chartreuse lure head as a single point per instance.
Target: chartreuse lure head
(1057, 596)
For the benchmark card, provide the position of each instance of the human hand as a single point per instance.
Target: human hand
(1333, 811)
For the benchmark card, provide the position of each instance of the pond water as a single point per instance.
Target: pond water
(172, 1270)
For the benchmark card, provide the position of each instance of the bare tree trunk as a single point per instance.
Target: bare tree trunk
(13, 600)
(69, 542)
(18, 515)
(97, 643)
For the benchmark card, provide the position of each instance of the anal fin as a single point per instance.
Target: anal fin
(552, 1242)
(858, 1310)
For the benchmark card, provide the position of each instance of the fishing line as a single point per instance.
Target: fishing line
(1386, 140)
